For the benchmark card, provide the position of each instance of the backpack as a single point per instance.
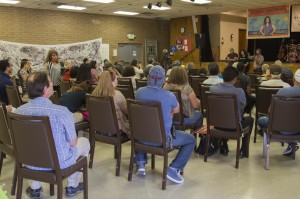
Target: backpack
(213, 145)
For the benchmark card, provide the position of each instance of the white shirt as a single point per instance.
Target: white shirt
(213, 80)
(138, 71)
(275, 82)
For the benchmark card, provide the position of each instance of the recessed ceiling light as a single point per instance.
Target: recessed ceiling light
(126, 13)
(101, 1)
(9, 1)
(157, 8)
(71, 7)
(197, 1)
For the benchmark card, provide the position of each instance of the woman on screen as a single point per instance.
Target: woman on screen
(267, 29)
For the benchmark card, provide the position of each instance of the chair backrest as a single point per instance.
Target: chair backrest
(285, 114)
(263, 98)
(64, 86)
(33, 141)
(204, 88)
(178, 117)
(13, 96)
(4, 131)
(55, 98)
(150, 127)
(222, 111)
(193, 71)
(124, 81)
(127, 91)
(102, 112)
(195, 80)
(141, 83)
(253, 79)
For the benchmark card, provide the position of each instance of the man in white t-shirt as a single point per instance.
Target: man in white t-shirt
(275, 80)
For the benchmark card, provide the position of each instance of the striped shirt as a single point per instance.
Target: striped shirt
(62, 125)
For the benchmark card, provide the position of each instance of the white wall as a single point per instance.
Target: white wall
(230, 25)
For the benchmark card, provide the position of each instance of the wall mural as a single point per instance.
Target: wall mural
(75, 52)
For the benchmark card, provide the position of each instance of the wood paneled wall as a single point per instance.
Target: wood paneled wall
(175, 26)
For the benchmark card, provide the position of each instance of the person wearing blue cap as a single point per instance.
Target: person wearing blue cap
(186, 142)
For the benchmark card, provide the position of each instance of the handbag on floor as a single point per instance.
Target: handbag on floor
(213, 145)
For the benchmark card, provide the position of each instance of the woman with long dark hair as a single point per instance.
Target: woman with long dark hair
(267, 29)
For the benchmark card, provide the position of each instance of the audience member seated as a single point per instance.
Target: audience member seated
(68, 146)
(5, 70)
(74, 99)
(178, 80)
(137, 70)
(67, 73)
(94, 72)
(289, 91)
(23, 73)
(275, 80)
(107, 87)
(84, 71)
(203, 71)
(119, 66)
(189, 67)
(265, 73)
(109, 67)
(230, 76)
(214, 71)
(129, 72)
(286, 72)
(170, 105)
(175, 64)
(231, 57)
(245, 83)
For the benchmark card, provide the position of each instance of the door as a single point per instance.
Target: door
(128, 52)
(243, 44)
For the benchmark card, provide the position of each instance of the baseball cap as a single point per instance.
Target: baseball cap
(156, 77)
(275, 70)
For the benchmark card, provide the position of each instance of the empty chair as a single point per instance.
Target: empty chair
(195, 80)
(227, 124)
(23, 130)
(13, 96)
(140, 83)
(263, 101)
(127, 91)
(149, 128)
(283, 123)
(6, 146)
(104, 127)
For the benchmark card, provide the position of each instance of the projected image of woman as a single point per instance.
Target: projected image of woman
(267, 29)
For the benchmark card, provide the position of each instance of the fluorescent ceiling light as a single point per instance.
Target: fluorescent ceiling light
(101, 1)
(126, 13)
(71, 7)
(9, 1)
(198, 1)
(157, 8)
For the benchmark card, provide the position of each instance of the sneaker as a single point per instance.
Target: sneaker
(141, 171)
(174, 175)
(289, 150)
(71, 191)
(33, 193)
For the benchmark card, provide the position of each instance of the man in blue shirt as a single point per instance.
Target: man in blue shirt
(68, 146)
(288, 91)
(5, 70)
(170, 105)
(230, 76)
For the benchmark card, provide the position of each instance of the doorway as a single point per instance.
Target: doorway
(243, 44)
(128, 52)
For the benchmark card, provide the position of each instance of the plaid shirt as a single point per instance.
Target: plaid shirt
(62, 124)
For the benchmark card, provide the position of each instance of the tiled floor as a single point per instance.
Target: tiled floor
(217, 178)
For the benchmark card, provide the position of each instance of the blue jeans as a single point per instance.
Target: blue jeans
(185, 141)
(264, 121)
(197, 118)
